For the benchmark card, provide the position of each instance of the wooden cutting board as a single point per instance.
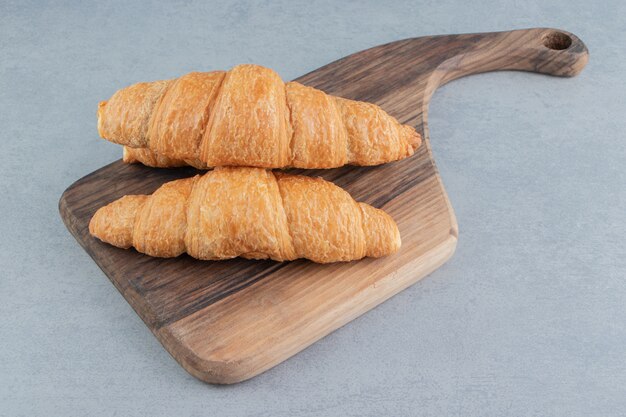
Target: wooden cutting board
(228, 321)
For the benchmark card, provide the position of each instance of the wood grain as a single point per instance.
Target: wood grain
(227, 321)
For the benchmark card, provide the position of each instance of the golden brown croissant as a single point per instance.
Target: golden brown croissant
(249, 117)
(248, 212)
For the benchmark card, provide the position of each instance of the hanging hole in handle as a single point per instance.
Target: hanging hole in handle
(557, 41)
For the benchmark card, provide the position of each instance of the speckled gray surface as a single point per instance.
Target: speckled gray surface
(528, 317)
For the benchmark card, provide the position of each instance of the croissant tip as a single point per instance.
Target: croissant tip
(398, 241)
(99, 114)
(101, 106)
(127, 156)
(415, 140)
(94, 228)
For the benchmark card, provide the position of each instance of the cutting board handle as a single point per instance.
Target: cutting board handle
(402, 76)
(542, 50)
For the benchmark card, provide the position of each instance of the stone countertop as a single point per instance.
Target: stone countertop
(527, 318)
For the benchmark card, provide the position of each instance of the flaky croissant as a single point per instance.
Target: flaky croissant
(249, 117)
(248, 212)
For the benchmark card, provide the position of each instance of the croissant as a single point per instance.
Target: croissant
(249, 117)
(248, 212)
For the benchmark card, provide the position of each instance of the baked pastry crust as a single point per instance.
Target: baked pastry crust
(249, 117)
(248, 212)
(150, 158)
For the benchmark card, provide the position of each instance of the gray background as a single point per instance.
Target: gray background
(528, 317)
